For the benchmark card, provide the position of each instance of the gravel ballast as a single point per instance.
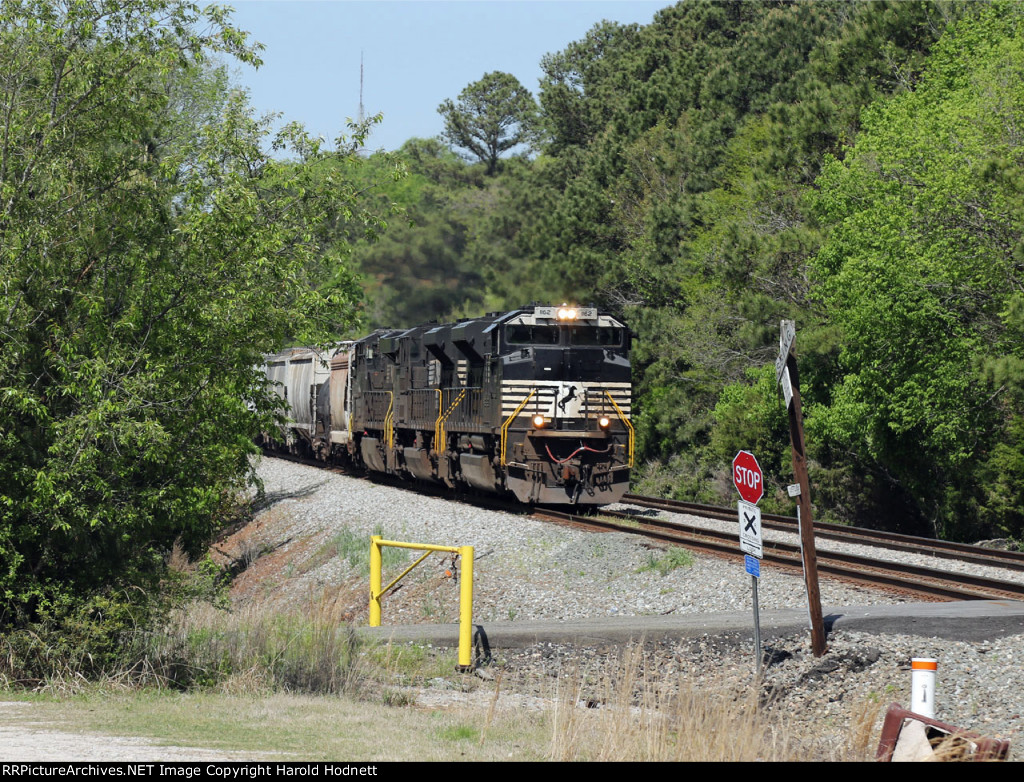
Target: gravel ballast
(309, 541)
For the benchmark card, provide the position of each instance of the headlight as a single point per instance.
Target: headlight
(566, 312)
(538, 422)
(604, 422)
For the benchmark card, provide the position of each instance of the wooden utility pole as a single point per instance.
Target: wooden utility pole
(787, 376)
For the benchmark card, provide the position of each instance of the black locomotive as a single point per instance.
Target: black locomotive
(535, 402)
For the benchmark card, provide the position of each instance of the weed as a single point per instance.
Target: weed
(397, 698)
(429, 607)
(308, 650)
(631, 523)
(673, 559)
(458, 733)
(401, 659)
(354, 548)
(407, 664)
(861, 731)
(252, 550)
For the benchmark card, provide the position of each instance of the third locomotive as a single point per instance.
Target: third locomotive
(535, 402)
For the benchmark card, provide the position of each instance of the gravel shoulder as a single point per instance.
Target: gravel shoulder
(529, 570)
(309, 542)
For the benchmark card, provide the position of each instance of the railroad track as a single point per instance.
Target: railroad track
(917, 580)
(940, 549)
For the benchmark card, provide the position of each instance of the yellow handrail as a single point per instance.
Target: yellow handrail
(437, 423)
(629, 426)
(508, 423)
(389, 421)
(447, 414)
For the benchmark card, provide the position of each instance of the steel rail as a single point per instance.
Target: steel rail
(963, 552)
(909, 578)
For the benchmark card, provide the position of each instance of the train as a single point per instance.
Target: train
(533, 403)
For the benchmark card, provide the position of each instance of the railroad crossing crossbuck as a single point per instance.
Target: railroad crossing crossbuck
(750, 529)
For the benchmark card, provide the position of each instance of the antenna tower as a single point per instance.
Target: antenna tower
(362, 115)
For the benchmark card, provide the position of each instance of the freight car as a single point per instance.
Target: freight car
(535, 402)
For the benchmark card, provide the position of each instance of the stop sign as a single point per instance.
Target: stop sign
(746, 474)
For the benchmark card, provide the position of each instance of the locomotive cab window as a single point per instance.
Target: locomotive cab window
(603, 336)
(531, 335)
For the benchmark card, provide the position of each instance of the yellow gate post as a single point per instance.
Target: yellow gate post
(465, 588)
(466, 607)
(375, 577)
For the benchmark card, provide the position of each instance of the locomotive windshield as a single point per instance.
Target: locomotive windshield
(532, 335)
(605, 336)
(581, 336)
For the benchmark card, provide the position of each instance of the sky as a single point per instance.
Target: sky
(415, 54)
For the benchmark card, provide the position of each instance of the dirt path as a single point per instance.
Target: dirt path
(23, 738)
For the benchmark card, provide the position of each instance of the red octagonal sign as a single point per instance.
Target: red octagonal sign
(746, 474)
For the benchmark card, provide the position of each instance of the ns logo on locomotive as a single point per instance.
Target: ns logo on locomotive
(535, 402)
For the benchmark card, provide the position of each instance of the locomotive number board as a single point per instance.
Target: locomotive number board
(582, 313)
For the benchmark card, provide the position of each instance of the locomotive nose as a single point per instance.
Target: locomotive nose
(548, 363)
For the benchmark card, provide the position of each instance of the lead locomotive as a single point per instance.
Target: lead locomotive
(535, 402)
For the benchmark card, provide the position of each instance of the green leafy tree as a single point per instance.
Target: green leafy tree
(681, 153)
(922, 273)
(492, 116)
(454, 250)
(585, 85)
(151, 252)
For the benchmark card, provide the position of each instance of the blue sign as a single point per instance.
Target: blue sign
(753, 565)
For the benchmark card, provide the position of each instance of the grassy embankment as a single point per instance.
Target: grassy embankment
(293, 686)
(300, 683)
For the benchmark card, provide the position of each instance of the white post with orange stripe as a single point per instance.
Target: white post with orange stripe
(922, 686)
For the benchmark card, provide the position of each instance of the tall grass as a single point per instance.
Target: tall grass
(183, 635)
(310, 650)
(624, 712)
(631, 716)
